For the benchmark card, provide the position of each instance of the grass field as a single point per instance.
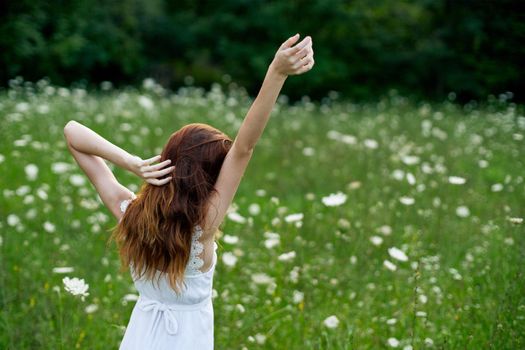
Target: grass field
(420, 245)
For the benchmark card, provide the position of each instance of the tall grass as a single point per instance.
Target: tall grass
(399, 167)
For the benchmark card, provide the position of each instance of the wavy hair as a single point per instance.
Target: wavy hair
(156, 230)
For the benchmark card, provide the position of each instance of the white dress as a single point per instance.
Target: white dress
(162, 319)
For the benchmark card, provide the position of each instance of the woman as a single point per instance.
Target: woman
(166, 233)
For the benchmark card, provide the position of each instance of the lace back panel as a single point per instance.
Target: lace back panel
(195, 262)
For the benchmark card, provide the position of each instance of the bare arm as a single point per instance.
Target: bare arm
(289, 60)
(90, 149)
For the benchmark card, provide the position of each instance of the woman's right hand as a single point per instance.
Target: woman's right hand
(148, 172)
(293, 59)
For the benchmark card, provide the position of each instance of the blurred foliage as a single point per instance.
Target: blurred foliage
(423, 48)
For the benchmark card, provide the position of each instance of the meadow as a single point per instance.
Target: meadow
(392, 224)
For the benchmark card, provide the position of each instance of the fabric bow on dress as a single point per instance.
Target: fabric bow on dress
(168, 313)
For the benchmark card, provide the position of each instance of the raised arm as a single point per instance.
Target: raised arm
(289, 60)
(90, 149)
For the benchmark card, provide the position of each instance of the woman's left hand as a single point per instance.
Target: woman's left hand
(294, 58)
(149, 172)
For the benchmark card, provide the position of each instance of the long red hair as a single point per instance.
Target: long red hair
(156, 230)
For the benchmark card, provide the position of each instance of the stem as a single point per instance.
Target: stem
(60, 320)
(413, 329)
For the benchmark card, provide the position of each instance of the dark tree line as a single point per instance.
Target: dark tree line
(422, 48)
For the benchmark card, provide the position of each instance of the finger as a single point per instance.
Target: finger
(290, 41)
(158, 173)
(158, 182)
(154, 167)
(148, 168)
(303, 61)
(298, 47)
(305, 68)
(304, 51)
(151, 160)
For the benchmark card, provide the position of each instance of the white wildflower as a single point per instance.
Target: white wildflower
(354, 185)
(370, 143)
(393, 342)
(286, 256)
(294, 217)
(240, 308)
(411, 179)
(130, 297)
(389, 265)
(391, 321)
(407, 200)
(148, 84)
(76, 286)
(230, 239)
(496, 187)
(462, 211)
(334, 199)
(13, 220)
(271, 242)
(261, 278)
(91, 308)
(297, 296)
(272, 239)
(309, 196)
(43, 109)
(260, 338)
(229, 259)
(22, 107)
(65, 269)
(516, 221)
(376, 240)
(49, 227)
(410, 160)
(294, 274)
(31, 171)
(397, 254)
(60, 167)
(254, 209)
(331, 322)
(385, 230)
(456, 180)
(236, 217)
(77, 180)
(348, 139)
(145, 102)
(423, 298)
(308, 151)
(398, 174)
